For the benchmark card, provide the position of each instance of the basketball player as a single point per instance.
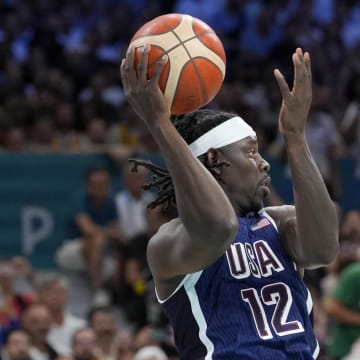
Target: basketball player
(228, 271)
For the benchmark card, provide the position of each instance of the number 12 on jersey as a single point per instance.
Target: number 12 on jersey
(278, 295)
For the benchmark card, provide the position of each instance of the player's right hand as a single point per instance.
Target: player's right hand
(144, 95)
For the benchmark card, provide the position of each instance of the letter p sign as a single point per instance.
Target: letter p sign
(37, 224)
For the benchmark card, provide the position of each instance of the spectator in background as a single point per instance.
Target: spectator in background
(43, 136)
(343, 307)
(16, 346)
(150, 353)
(131, 292)
(37, 321)
(93, 229)
(355, 351)
(102, 321)
(95, 138)
(154, 337)
(15, 293)
(15, 140)
(84, 346)
(131, 132)
(137, 270)
(122, 346)
(154, 218)
(18, 111)
(348, 256)
(350, 32)
(349, 252)
(261, 34)
(132, 201)
(67, 135)
(324, 141)
(95, 100)
(53, 292)
(350, 227)
(350, 129)
(147, 336)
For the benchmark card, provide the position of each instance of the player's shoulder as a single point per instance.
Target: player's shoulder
(284, 217)
(166, 234)
(167, 230)
(281, 213)
(164, 253)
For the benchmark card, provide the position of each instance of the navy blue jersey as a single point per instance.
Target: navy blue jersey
(249, 304)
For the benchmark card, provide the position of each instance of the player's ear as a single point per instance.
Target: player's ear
(213, 158)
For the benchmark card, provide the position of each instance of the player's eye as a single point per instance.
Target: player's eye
(252, 152)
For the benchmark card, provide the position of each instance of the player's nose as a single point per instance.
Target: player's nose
(264, 165)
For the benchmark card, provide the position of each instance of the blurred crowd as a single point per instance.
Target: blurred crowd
(122, 319)
(60, 92)
(60, 88)
(36, 325)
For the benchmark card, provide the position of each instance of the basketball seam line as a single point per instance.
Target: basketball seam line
(203, 94)
(197, 73)
(177, 45)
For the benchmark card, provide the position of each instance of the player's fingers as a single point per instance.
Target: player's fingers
(307, 61)
(308, 88)
(123, 75)
(283, 86)
(143, 64)
(158, 69)
(299, 71)
(129, 69)
(299, 52)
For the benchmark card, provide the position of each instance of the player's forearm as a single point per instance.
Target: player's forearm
(202, 204)
(317, 220)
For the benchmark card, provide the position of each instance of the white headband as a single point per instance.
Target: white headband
(228, 132)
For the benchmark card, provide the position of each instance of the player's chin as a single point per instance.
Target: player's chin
(258, 204)
(264, 191)
(261, 196)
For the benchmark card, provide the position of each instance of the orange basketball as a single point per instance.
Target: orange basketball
(196, 59)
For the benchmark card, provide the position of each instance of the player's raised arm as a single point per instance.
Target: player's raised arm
(310, 237)
(207, 219)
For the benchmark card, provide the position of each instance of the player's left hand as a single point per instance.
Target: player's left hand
(296, 102)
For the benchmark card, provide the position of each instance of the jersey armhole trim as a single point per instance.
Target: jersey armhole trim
(188, 280)
(316, 351)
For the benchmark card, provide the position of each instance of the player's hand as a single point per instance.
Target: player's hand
(296, 102)
(144, 94)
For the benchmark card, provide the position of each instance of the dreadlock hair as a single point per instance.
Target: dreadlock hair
(190, 126)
